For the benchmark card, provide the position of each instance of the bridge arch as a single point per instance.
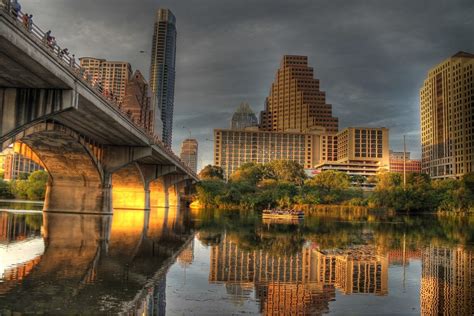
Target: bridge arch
(76, 179)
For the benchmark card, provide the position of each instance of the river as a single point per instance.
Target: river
(182, 262)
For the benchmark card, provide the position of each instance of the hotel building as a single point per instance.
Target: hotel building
(113, 75)
(447, 118)
(361, 151)
(397, 162)
(233, 148)
(189, 153)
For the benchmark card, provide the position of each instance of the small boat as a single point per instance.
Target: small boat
(278, 213)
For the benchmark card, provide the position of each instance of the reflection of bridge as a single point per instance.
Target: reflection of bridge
(92, 150)
(88, 257)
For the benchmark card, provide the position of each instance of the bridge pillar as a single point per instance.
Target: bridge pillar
(128, 189)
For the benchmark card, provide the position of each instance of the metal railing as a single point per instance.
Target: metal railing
(22, 21)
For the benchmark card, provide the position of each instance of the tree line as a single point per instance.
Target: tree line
(32, 187)
(284, 184)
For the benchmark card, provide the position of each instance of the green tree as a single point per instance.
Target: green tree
(285, 170)
(211, 172)
(208, 190)
(250, 172)
(5, 192)
(37, 185)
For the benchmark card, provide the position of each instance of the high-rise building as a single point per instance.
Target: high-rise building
(295, 102)
(112, 75)
(137, 101)
(162, 72)
(243, 117)
(447, 118)
(189, 153)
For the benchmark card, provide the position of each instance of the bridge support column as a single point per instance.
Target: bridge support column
(128, 189)
(159, 193)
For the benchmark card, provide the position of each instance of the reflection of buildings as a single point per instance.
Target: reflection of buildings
(15, 227)
(20, 248)
(186, 256)
(400, 257)
(447, 284)
(301, 283)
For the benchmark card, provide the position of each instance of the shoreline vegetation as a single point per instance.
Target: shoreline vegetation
(31, 188)
(284, 184)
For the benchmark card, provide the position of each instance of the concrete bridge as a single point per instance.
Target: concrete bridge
(98, 159)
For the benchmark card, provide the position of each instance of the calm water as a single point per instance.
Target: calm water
(177, 262)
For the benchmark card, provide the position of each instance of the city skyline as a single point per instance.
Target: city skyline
(371, 58)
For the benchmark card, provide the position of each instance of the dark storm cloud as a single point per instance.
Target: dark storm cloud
(371, 56)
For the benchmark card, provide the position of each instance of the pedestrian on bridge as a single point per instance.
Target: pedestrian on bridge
(47, 37)
(16, 8)
(29, 23)
(24, 20)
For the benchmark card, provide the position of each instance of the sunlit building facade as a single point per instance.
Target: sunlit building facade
(18, 166)
(189, 153)
(112, 75)
(447, 118)
(232, 148)
(361, 151)
(295, 102)
(162, 72)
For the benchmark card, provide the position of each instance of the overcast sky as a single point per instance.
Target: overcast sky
(370, 56)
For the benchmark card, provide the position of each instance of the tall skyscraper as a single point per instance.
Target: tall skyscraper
(244, 117)
(295, 102)
(189, 153)
(162, 72)
(447, 118)
(113, 75)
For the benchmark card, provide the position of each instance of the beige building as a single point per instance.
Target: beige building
(295, 102)
(232, 148)
(447, 118)
(113, 75)
(19, 162)
(361, 151)
(189, 153)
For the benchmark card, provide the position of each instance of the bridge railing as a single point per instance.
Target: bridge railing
(68, 59)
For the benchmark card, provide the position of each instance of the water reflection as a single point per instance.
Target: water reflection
(90, 263)
(147, 262)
